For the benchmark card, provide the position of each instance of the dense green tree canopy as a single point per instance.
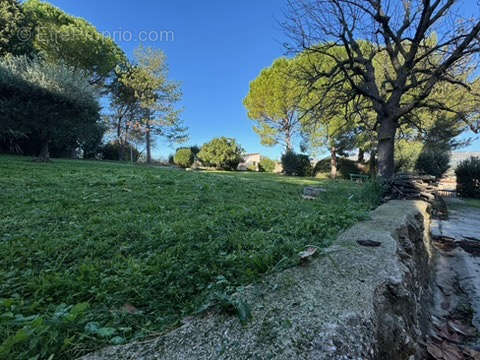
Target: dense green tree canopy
(73, 40)
(272, 103)
(401, 52)
(16, 29)
(334, 120)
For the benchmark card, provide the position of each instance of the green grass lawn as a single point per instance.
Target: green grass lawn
(473, 202)
(96, 253)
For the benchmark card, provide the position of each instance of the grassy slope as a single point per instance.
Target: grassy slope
(102, 235)
(473, 202)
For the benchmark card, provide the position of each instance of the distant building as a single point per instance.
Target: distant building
(278, 168)
(250, 161)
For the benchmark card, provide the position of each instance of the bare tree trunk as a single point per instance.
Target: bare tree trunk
(123, 144)
(361, 156)
(333, 162)
(121, 141)
(288, 140)
(44, 154)
(148, 141)
(386, 144)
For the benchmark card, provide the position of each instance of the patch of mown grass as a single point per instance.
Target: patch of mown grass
(96, 253)
(473, 202)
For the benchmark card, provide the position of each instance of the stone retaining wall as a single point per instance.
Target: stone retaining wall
(350, 302)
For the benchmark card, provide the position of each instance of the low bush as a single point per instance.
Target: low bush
(184, 157)
(222, 153)
(266, 165)
(345, 167)
(116, 151)
(296, 164)
(433, 162)
(468, 178)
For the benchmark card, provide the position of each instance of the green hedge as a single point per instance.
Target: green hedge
(296, 164)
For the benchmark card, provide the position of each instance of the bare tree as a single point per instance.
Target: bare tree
(394, 54)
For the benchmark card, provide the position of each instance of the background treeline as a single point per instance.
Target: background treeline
(358, 81)
(287, 110)
(54, 70)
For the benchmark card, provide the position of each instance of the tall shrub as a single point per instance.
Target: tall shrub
(51, 101)
(184, 157)
(468, 178)
(296, 164)
(433, 162)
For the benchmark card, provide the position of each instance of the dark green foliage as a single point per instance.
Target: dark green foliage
(79, 141)
(296, 164)
(372, 192)
(266, 165)
(17, 31)
(43, 334)
(195, 149)
(118, 151)
(184, 157)
(468, 178)
(90, 140)
(407, 152)
(169, 243)
(46, 101)
(433, 162)
(345, 167)
(222, 153)
(63, 37)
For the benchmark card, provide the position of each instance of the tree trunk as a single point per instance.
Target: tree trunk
(372, 162)
(361, 156)
(333, 162)
(386, 144)
(121, 142)
(148, 141)
(44, 154)
(288, 141)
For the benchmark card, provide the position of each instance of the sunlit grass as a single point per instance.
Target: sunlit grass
(95, 253)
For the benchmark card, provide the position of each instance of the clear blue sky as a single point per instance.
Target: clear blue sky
(219, 46)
